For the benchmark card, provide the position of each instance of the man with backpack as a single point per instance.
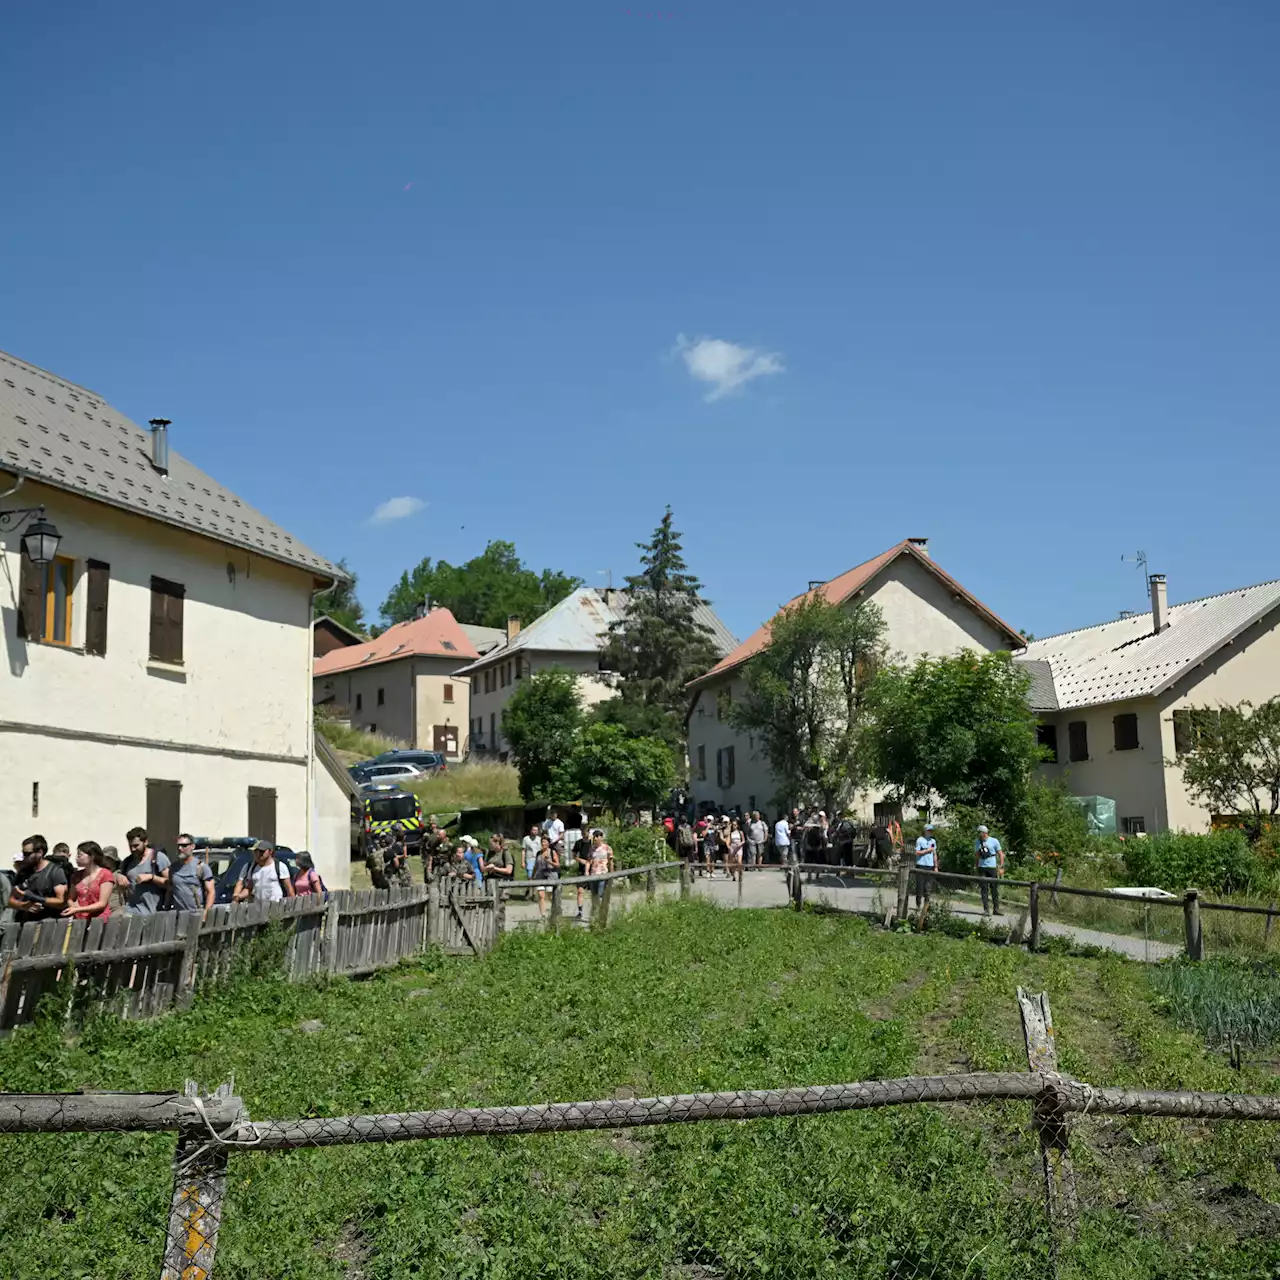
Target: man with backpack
(687, 843)
(265, 879)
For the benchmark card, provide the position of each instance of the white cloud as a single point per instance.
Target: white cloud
(725, 365)
(396, 509)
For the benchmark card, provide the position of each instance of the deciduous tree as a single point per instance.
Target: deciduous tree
(486, 590)
(620, 771)
(340, 603)
(960, 728)
(1232, 759)
(807, 699)
(543, 722)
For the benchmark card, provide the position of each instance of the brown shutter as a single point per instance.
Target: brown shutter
(164, 815)
(31, 601)
(95, 625)
(262, 813)
(166, 620)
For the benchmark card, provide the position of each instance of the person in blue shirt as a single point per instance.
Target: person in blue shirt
(989, 857)
(926, 863)
(470, 850)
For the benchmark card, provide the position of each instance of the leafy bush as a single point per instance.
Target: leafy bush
(1057, 829)
(956, 840)
(1177, 860)
(483, 785)
(638, 846)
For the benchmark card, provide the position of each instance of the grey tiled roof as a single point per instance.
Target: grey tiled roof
(1040, 694)
(70, 438)
(580, 622)
(1127, 659)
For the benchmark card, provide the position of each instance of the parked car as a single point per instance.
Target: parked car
(390, 772)
(427, 761)
(230, 856)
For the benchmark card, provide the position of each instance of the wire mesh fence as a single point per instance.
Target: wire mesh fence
(994, 1175)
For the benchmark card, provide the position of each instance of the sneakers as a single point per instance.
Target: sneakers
(579, 915)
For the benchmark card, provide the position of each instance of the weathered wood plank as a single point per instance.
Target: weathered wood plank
(1049, 1112)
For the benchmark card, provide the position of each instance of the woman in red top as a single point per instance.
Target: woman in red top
(307, 878)
(91, 889)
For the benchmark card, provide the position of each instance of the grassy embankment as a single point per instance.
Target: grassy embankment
(676, 998)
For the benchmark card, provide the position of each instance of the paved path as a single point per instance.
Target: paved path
(861, 897)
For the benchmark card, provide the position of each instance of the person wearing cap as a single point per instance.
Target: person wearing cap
(989, 857)
(470, 851)
(926, 863)
(265, 879)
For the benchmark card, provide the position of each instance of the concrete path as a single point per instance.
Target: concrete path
(859, 897)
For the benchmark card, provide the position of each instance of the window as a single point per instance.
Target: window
(493, 730)
(1193, 726)
(724, 768)
(702, 764)
(1134, 826)
(164, 813)
(262, 813)
(166, 620)
(359, 701)
(45, 590)
(1126, 727)
(373, 728)
(1077, 741)
(1047, 737)
(382, 697)
(517, 667)
(448, 693)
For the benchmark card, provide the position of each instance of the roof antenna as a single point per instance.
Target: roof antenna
(609, 578)
(1139, 562)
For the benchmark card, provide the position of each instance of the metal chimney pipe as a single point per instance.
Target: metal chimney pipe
(1159, 602)
(160, 445)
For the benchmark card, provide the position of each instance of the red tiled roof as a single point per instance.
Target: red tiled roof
(838, 590)
(438, 635)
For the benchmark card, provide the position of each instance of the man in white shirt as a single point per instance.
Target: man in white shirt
(757, 833)
(265, 879)
(556, 831)
(782, 839)
(926, 863)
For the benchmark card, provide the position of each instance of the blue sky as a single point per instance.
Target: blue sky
(1002, 275)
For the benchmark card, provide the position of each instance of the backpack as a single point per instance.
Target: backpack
(687, 838)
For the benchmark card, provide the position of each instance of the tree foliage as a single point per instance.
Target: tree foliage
(1233, 763)
(960, 728)
(486, 590)
(659, 645)
(807, 699)
(340, 603)
(542, 722)
(620, 771)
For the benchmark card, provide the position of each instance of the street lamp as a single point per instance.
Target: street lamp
(40, 541)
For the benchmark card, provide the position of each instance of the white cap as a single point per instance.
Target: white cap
(471, 842)
(982, 828)
(928, 826)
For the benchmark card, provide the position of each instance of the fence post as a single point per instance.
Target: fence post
(797, 889)
(1053, 897)
(195, 1209)
(1033, 942)
(904, 889)
(741, 877)
(651, 884)
(684, 879)
(1049, 1113)
(557, 905)
(600, 917)
(189, 931)
(1191, 923)
(1271, 919)
(431, 937)
(331, 934)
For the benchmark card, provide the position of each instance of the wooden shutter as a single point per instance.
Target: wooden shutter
(31, 601)
(730, 772)
(98, 579)
(262, 813)
(1078, 741)
(166, 620)
(164, 813)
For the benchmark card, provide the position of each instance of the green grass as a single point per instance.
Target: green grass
(356, 742)
(469, 786)
(676, 998)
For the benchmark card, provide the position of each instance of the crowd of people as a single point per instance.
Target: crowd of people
(95, 881)
(547, 850)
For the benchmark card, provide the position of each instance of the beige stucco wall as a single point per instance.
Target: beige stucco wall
(592, 688)
(1135, 779)
(331, 843)
(394, 718)
(1248, 669)
(237, 713)
(431, 675)
(921, 616)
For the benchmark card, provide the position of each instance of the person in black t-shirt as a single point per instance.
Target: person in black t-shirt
(41, 889)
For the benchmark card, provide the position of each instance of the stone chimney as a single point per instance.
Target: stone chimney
(920, 544)
(1159, 603)
(513, 627)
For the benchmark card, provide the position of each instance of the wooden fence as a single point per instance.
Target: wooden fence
(147, 964)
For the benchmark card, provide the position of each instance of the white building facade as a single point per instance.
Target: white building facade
(158, 672)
